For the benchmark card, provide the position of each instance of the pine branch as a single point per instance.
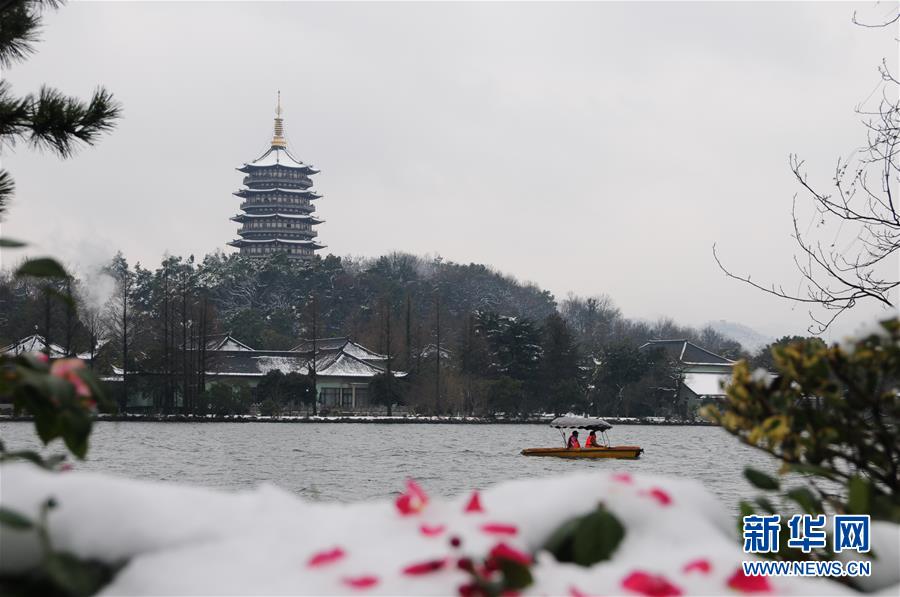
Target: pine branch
(13, 115)
(7, 188)
(58, 121)
(20, 23)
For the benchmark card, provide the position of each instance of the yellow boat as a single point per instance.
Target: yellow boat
(628, 452)
(605, 451)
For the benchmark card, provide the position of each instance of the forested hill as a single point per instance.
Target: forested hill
(269, 303)
(505, 346)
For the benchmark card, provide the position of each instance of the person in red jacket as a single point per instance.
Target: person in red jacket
(591, 441)
(573, 440)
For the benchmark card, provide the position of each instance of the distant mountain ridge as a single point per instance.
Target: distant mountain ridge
(749, 338)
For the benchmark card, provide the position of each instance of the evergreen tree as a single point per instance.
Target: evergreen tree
(560, 373)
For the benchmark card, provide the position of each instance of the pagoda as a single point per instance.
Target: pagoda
(277, 211)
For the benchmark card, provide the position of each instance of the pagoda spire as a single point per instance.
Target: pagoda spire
(278, 139)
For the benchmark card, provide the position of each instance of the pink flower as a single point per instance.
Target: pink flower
(499, 529)
(649, 584)
(42, 357)
(326, 557)
(749, 584)
(474, 504)
(623, 478)
(413, 500)
(576, 592)
(361, 582)
(471, 590)
(430, 531)
(659, 495)
(700, 565)
(426, 567)
(65, 467)
(66, 369)
(502, 551)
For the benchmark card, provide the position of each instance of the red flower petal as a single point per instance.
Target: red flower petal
(413, 500)
(700, 565)
(659, 495)
(474, 504)
(576, 592)
(434, 531)
(649, 584)
(326, 557)
(424, 567)
(360, 582)
(500, 529)
(749, 584)
(502, 551)
(623, 478)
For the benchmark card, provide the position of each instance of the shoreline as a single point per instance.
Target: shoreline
(366, 419)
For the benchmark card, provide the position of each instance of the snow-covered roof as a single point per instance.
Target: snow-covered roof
(591, 423)
(707, 384)
(226, 342)
(306, 192)
(278, 156)
(314, 219)
(37, 343)
(289, 241)
(342, 364)
(34, 343)
(689, 353)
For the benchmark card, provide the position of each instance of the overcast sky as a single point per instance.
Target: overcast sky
(592, 148)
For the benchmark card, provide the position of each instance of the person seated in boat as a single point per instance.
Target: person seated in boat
(591, 441)
(573, 441)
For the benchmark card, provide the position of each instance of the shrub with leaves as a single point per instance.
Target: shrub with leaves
(830, 413)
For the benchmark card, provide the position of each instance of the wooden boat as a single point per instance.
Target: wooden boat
(627, 452)
(591, 424)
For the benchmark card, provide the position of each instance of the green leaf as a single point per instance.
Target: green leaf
(806, 500)
(765, 505)
(10, 243)
(42, 267)
(597, 537)
(515, 576)
(761, 480)
(25, 455)
(560, 541)
(858, 495)
(14, 520)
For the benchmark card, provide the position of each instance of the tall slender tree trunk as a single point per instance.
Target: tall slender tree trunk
(125, 289)
(437, 354)
(315, 351)
(408, 355)
(388, 373)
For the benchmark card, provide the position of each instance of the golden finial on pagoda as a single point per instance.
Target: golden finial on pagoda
(278, 139)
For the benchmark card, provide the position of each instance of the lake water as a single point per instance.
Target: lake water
(347, 462)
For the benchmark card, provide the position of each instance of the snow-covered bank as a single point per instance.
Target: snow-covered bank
(408, 419)
(182, 540)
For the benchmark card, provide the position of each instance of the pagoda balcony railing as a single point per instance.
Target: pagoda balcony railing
(271, 208)
(300, 184)
(282, 232)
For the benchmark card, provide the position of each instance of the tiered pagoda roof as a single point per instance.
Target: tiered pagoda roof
(276, 214)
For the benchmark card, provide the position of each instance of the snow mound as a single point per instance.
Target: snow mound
(181, 540)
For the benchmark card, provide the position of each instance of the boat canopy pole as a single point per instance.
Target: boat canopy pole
(562, 434)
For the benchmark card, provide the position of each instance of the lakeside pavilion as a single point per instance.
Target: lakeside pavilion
(343, 369)
(703, 373)
(277, 211)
